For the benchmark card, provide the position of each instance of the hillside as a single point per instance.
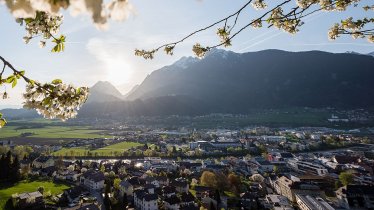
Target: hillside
(231, 82)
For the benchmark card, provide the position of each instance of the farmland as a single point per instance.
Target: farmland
(104, 151)
(51, 132)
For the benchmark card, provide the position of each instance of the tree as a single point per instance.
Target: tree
(346, 178)
(116, 183)
(214, 180)
(234, 182)
(41, 189)
(217, 197)
(43, 20)
(59, 163)
(15, 174)
(125, 202)
(209, 179)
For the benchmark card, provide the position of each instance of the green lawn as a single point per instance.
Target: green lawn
(77, 151)
(117, 147)
(27, 186)
(105, 151)
(63, 132)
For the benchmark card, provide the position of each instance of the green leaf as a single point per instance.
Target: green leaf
(10, 79)
(14, 83)
(56, 81)
(2, 122)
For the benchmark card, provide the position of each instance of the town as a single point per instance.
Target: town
(148, 169)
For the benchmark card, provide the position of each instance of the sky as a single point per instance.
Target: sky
(92, 55)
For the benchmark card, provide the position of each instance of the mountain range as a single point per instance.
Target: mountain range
(228, 82)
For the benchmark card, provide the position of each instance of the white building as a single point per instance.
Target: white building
(308, 202)
(308, 167)
(145, 199)
(43, 162)
(93, 180)
(277, 202)
(273, 138)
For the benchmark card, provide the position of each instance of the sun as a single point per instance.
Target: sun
(118, 70)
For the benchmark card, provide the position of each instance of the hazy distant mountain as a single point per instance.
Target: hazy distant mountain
(19, 113)
(130, 92)
(231, 82)
(104, 91)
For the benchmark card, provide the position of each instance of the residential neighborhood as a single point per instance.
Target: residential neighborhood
(224, 169)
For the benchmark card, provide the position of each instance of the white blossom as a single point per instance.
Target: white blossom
(371, 38)
(55, 100)
(333, 32)
(259, 4)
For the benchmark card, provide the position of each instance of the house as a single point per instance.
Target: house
(73, 194)
(43, 162)
(61, 174)
(49, 171)
(168, 191)
(24, 163)
(172, 203)
(181, 185)
(93, 180)
(126, 188)
(187, 199)
(152, 180)
(32, 200)
(73, 176)
(162, 180)
(145, 199)
(209, 203)
(200, 190)
(189, 207)
(248, 200)
(265, 165)
(85, 206)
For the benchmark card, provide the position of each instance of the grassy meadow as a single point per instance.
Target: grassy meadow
(105, 151)
(53, 132)
(28, 186)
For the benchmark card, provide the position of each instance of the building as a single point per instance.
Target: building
(32, 200)
(307, 202)
(145, 199)
(277, 202)
(43, 162)
(126, 188)
(93, 180)
(172, 203)
(226, 144)
(286, 187)
(307, 167)
(7, 143)
(181, 185)
(356, 197)
(273, 138)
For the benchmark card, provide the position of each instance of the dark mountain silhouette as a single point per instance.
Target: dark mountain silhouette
(231, 82)
(228, 82)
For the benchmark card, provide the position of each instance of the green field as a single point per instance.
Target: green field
(27, 186)
(55, 132)
(105, 151)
